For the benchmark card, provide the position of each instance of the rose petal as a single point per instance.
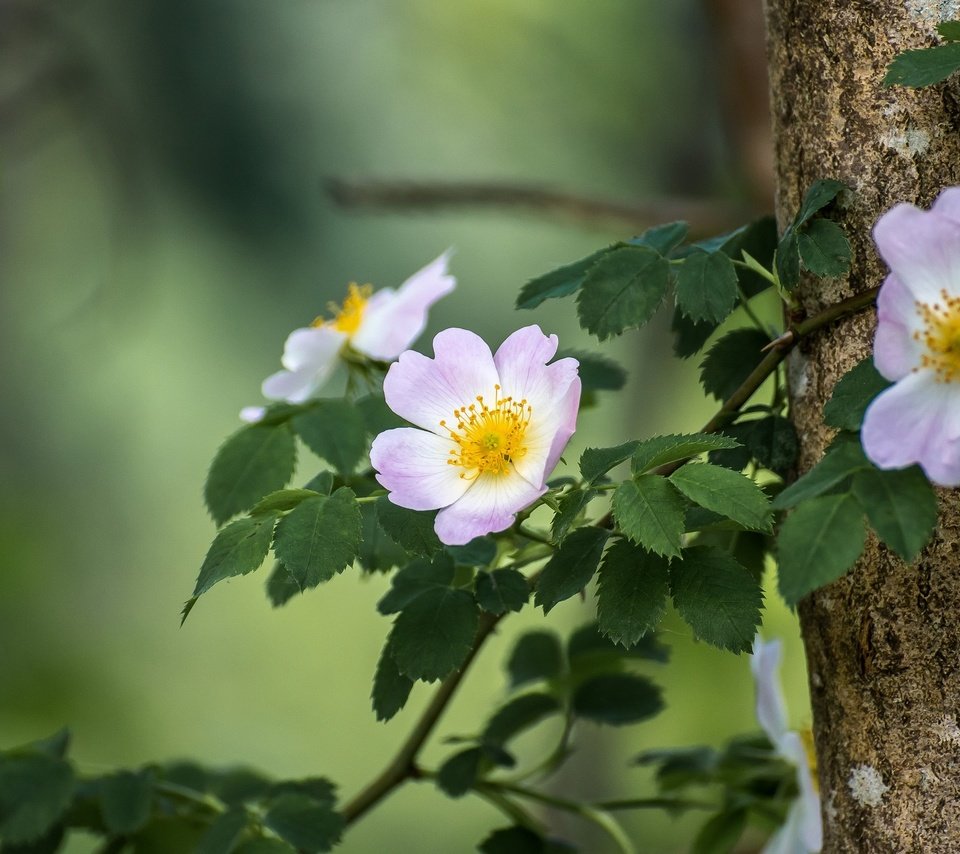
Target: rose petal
(771, 709)
(252, 414)
(948, 204)
(922, 248)
(916, 421)
(488, 506)
(412, 465)
(427, 391)
(896, 352)
(548, 434)
(392, 321)
(807, 827)
(293, 386)
(312, 347)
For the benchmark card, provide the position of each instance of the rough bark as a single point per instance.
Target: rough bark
(883, 643)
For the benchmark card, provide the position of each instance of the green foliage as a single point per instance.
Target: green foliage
(823, 248)
(537, 655)
(561, 282)
(501, 591)
(480, 551)
(721, 832)
(571, 567)
(335, 431)
(35, 790)
(770, 441)
(706, 286)
(901, 506)
(521, 840)
(376, 415)
(303, 822)
(662, 238)
(916, 68)
(224, 833)
(853, 394)
(126, 800)
(661, 450)
(622, 290)
(688, 335)
(320, 537)
(617, 699)
(731, 360)
(725, 492)
(950, 30)
(411, 529)
(569, 508)
(596, 462)
(391, 688)
(414, 579)
(239, 548)
(819, 243)
(632, 592)
(458, 773)
(519, 714)
(282, 501)
(843, 459)
(281, 586)
(650, 511)
(253, 462)
(597, 373)
(718, 598)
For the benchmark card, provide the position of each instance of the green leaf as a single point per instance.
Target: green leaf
(376, 415)
(718, 598)
(649, 511)
(660, 450)
(586, 645)
(536, 655)
(950, 30)
(853, 394)
(255, 845)
(720, 833)
(617, 699)
(518, 715)
(841, 461)
(410, 529)
(570, 506)
(622, 290)
(923, 67)
(281, 501)
(501, 591)
(253, 462)
(378, 552)
(820, 194)
(456, 775)
(571, 567)
(773, 443)
(521, 840)
(706, 286)
(304, 823)
(125, 800)
(224, 833)
(818, 543)
(320, 538)
(281, 587)
(391, 688)
(413, 580)
(335, 431)
(787, 260)
(560, 282)
(901, 506)
(726, 492)
(596, 462)
(662, 238)
(731, 360)
(824, 248)
(433, 634)
(597, 373)
(321, 482)
(480, 551)
(238, 549)
(35, 791)
(632, 593)
(689, 336)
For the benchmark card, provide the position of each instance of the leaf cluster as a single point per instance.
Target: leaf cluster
(926, 66)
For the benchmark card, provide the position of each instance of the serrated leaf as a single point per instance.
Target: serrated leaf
(571, 567)
(456, 775)
(414, 579)
(410, 529)
(632, 592)
(433, 634)
(513, 840)
(901, 506)
(731, 360)
(719, 599)
(650, 511)
(558, 283)
(376, 415)
(258, 845)
(617, 699)
(391, 688)
(726, 492)
(821, 193)
(950, 30)
(125, 800)
(335, 431)
(597, 373)
(321, 482)
(824, 248)
(570, 506)
(773, 443)
(787, 259)
(840, 462)
(518, 715)
(596, 462)
(720, 833)
(662, 238)
(35, 791)
(853, 394)
(501, 591)
(281, 501)
(238, 549)
(706, 286)
(480, 551)
(320, 789)
(536, 655)
(923, 67)
(281, 586)
(689, 336)
(818, 543)
(586, 644)
(660, 450)
(320, 538)
(224, 833)
(253, 462)
(622, 290)
(304, 823)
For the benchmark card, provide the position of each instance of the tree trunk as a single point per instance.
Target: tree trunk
(883, 643)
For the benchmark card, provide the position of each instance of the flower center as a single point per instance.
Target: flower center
(941, 336)
(346, 318)
(489, 438)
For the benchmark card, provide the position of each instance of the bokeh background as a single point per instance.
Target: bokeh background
(166, 220)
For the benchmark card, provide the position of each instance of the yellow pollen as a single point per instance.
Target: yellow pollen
(346, 318)
(489, 438)
(941, 337)
(806, 736)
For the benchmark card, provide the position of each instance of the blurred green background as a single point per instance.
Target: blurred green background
(164, 225)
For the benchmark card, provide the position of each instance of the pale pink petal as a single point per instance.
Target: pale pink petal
(804, 822)
(922, 248)
(293, 386)
(916, 421)
(896, 351)
(252, 414)
(548, 435)
(488, 506)
(393, 322)
(426, 391)
(948, 204)
(412, 465)
(312, 347)
(771, 709)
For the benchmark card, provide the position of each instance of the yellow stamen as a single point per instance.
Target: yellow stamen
(806, 736)
(941, 337)
(347, 318)
(489, 438)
